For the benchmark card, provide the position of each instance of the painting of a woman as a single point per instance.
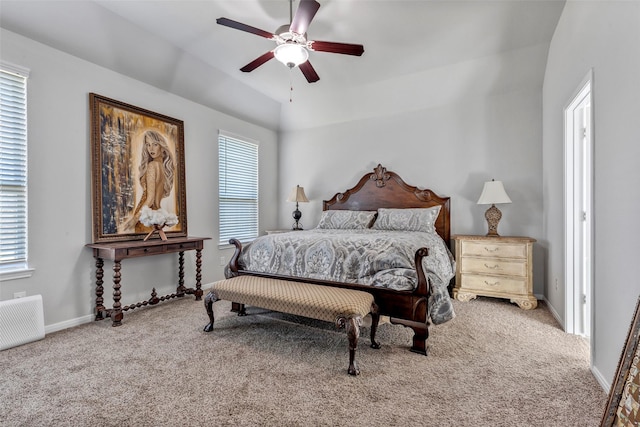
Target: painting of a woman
(137, 172)
(156, 176)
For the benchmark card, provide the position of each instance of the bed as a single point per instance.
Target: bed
(370, 237)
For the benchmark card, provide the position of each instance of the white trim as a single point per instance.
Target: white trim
(596, 373)
(16, 69)
(222, 132)
(569, 207)
(16, 273)
(606, 386)
(553, 311)
(69, 323)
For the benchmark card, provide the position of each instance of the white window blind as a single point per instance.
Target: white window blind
(13, 168)
(238, 188)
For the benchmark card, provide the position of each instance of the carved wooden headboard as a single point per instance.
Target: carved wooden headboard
(385, 189)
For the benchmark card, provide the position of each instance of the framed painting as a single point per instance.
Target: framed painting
(137, 171)
(623, 406)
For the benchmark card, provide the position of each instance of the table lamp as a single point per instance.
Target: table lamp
(492, 194)
(297, 195)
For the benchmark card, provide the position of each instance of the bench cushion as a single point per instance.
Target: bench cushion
(302, 299)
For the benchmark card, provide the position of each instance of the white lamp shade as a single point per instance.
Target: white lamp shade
(297, 195)
(291, 54)
(493, 193)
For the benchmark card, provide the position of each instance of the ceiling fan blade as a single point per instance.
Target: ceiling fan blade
(244, 27)
(304, 15)
(333, 47)
(257, 62)
(309, 72)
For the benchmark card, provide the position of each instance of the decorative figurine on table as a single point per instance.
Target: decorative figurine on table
(157, 219)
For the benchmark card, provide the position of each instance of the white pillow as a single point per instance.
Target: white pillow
(346, 220)
(412, 219)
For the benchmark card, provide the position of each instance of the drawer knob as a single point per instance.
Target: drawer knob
(492, 267)
(491, 284)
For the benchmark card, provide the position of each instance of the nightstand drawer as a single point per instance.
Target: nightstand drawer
(495, 284)
(491, 249)
(493, 266)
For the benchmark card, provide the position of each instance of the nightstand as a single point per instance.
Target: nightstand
(499, 267)
(277, 231)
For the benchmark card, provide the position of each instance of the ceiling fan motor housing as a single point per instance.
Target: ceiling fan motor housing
(284, 35)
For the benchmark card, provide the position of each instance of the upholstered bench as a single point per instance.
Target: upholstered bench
(345, 307)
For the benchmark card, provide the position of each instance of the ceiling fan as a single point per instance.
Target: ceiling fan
(292, 44)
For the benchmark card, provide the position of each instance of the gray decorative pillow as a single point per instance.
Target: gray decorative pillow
(414, 219)
(346, 220)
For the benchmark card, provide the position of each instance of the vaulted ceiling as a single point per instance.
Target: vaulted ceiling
(177, 46)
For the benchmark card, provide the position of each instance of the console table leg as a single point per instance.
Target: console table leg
(99, 289)
(116, 313)
(181, 289)
(198, 291)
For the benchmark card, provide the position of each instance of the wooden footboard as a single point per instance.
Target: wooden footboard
(403, 307)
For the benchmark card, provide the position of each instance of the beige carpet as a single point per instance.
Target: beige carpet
(494, 365)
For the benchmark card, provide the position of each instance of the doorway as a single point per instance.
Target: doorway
(579, 210)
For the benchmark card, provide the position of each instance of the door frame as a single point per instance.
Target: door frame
(573, 222)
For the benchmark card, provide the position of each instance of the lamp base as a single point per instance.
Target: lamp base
(493, 216)
(297, 215)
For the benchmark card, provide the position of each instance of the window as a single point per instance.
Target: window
(13, 170)
(238, 188)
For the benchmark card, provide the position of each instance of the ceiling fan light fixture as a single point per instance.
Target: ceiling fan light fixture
(291, 54)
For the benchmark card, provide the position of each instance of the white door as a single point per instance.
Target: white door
(579, 210)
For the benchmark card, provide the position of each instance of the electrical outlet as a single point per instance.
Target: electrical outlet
(20, 294)
(223, 261)
(556, 283)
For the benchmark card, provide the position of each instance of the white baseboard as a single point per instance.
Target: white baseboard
(553, 311)
(69, 323)
(598, 375)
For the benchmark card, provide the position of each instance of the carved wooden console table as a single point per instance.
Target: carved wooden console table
(117, 251)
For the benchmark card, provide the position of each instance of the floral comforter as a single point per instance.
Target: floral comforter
(369, 257)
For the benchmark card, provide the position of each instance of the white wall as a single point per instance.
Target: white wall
(60, 182)
(451, 143)
(605, 37)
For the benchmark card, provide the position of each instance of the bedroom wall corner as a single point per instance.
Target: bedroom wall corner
(60, 176)
(451, 148)
(598, 36)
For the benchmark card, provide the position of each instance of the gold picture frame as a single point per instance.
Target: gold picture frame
(137, 160)
(623, 405)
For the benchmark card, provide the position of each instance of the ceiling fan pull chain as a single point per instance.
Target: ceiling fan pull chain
(290, 85)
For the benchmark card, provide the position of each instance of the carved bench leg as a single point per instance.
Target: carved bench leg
(352, 326)
(375, 320)
(242, 311)
(238, 308)
(208, 305)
